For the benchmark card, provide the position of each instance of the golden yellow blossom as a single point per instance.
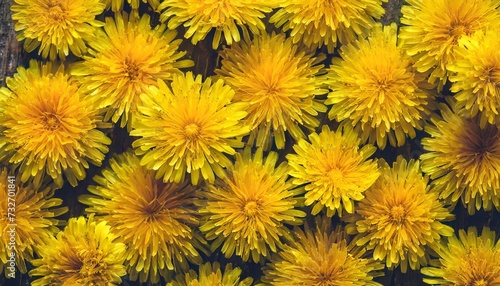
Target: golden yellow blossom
(211, 275)
(118, 5)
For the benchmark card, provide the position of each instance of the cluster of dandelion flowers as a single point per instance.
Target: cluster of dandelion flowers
(49, 127)
(189, 127)
(35, 212)
(248, 212)
(56, 26)
(400, 216)
(155, 220)
(467, 260)
(326, 22)
(476, 76)
(226, 18)
(86, 252)
(463, 159)
(375, 89)
(432, 29)
(116, 72)
(211, 274)
(321, 256)
(118, 5)
(280, 81)
(335, 169)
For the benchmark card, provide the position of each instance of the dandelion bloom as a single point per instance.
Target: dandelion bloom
(400, 216)
(280, 81)
(248, 212)
(155, 220)
(334, 168)
(226, 18)
(56, 26)
(84, 253)
(211, 274)
(375, 89)
(476, 76)
(433, 28)
(48, 126)
(35, 213)
(116, 72)
(320, 22)
(467, 260)
(188, 127)
(117, 5)
(463, 159)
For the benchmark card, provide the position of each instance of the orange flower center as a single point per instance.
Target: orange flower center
(398, 214)
(51, 121)
(192, 131)
(250, 208)
(56, 11)
(132, 70)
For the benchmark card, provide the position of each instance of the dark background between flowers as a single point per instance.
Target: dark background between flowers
(206, 60)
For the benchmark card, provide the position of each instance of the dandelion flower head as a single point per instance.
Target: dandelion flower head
(335, 169)
(118, 5)
(212, 275)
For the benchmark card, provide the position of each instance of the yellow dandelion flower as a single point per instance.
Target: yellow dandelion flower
(31, 222)
(321, 256)
(225, 17)
(433, 28)
(56, 26)
(279, 80)
(375, 89)
(463, 159)
(117, 72)
(334, 168)
(49, 127)
(188, 127)
(400, 216)
(248, 212)
(476, 75)
(155, 220)
(211, 275)
(84, 253)
(324, 23)
(117, 5)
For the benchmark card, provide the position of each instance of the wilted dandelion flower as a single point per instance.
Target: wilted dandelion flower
(433, 28)
(326, 22)
(84, 253)
(49, 127)
(33, 211)
(375, 89)
(117, 71)
(117, 5)
(463, 159)
(225, 17)
(211, 275)
(247, 212)
(467, 260)
(334, 168)
(321, 256)
(476, 75)
(189, 127)
(56, 26)
(400, 216)
(279, 81)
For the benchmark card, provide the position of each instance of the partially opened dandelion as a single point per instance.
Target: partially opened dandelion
(155, 220)
(212, 274)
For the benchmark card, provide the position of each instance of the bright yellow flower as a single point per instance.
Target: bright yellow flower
(280, 81)
(433, 28)
(211, 275)
(117, 71)
(248, 212)
(334, 168)
(463, 159)
(326, 22)
(155, 220)
(400, 216)
(226, 17)
(56, 26)
(84, 253)
(188, 127)
(321, 256)
(34, 212)
(476, 75)
(375, 89)
(467, 260)
(117, 5)
(48, 126)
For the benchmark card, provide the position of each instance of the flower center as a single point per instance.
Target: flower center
(336, 175)
(250, 208)
(51, 121)
(131, 69)
(91, 262)
(481, 282)
(55, 11)
(192, 130)
(398, 214)
(457, 30)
